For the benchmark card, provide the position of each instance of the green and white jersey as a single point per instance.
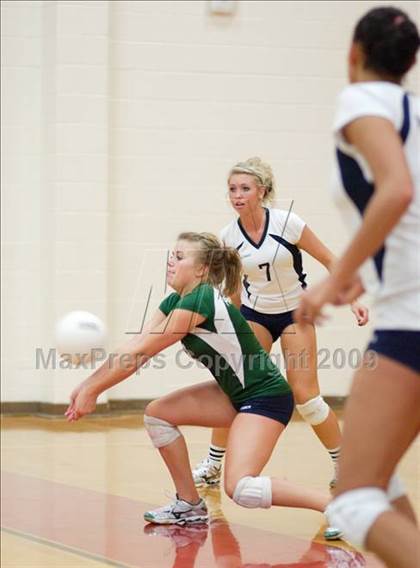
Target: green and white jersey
(227, 346)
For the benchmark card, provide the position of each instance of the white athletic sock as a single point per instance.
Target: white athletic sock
(216, 454)
(335, 454)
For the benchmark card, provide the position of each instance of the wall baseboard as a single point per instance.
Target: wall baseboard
(128, 406)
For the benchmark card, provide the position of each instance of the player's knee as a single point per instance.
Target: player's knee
(252, 492)
(229, 484)
(355, 511)
(160, 431)
(314, 411)
(151, 408)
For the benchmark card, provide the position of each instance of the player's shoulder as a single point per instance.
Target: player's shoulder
(230, 233)
(200, 300)
(277, 214)
(169, 303)
(229, 227)
(379, 91)
(203, 290)
(203, 294)
(375, 98)
(370, 99)
(284, 216)
(287, 224)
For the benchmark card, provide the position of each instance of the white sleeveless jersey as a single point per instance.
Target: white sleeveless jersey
(273, 273)
(392, 276)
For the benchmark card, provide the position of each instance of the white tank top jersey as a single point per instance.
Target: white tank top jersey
(273, 272)
(392, 276)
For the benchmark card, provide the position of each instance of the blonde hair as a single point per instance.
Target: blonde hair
(224, 263)
(261, 171)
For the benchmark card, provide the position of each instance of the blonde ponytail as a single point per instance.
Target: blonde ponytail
(233, 270)
(224, 263)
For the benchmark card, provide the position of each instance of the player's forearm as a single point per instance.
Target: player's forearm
(382, 214)
(129, 358)
(117, 368)
(121, 364)
(329, 262)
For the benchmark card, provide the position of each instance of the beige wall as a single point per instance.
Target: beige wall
(120, 121)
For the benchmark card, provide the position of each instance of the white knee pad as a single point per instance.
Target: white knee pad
(355, 511)
(395, 488)
(253, 492)
(314, 411)
(161, 432)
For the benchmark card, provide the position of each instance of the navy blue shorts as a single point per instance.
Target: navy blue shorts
(401, 345)
(278, 408)
(275, 323)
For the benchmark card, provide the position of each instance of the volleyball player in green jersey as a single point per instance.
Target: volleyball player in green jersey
(225, 344)
(249, 395)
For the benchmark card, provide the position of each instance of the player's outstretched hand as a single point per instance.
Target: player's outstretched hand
(349, 294)
(82, 402)
(312, 301)
(361, 312)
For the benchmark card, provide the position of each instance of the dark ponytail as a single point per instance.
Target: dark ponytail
(389, 40)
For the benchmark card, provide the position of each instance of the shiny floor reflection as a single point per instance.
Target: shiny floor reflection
(238, 547)
(73, 496)
(110, 529)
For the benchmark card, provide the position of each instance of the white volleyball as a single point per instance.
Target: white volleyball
(78, 333)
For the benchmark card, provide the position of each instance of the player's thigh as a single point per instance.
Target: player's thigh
(250, 444)
(263, 335)
(203, 404)
(298, 343)
(381, 419)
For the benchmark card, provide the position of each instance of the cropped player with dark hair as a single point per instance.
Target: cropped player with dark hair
(377, 189)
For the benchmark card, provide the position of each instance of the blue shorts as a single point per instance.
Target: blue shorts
(275, 323)
(401, 345)
(279, 408)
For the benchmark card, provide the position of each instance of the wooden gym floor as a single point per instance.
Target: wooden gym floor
(74, 496)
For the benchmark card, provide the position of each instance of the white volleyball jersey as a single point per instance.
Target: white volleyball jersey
(392, 276)
(273, 272)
